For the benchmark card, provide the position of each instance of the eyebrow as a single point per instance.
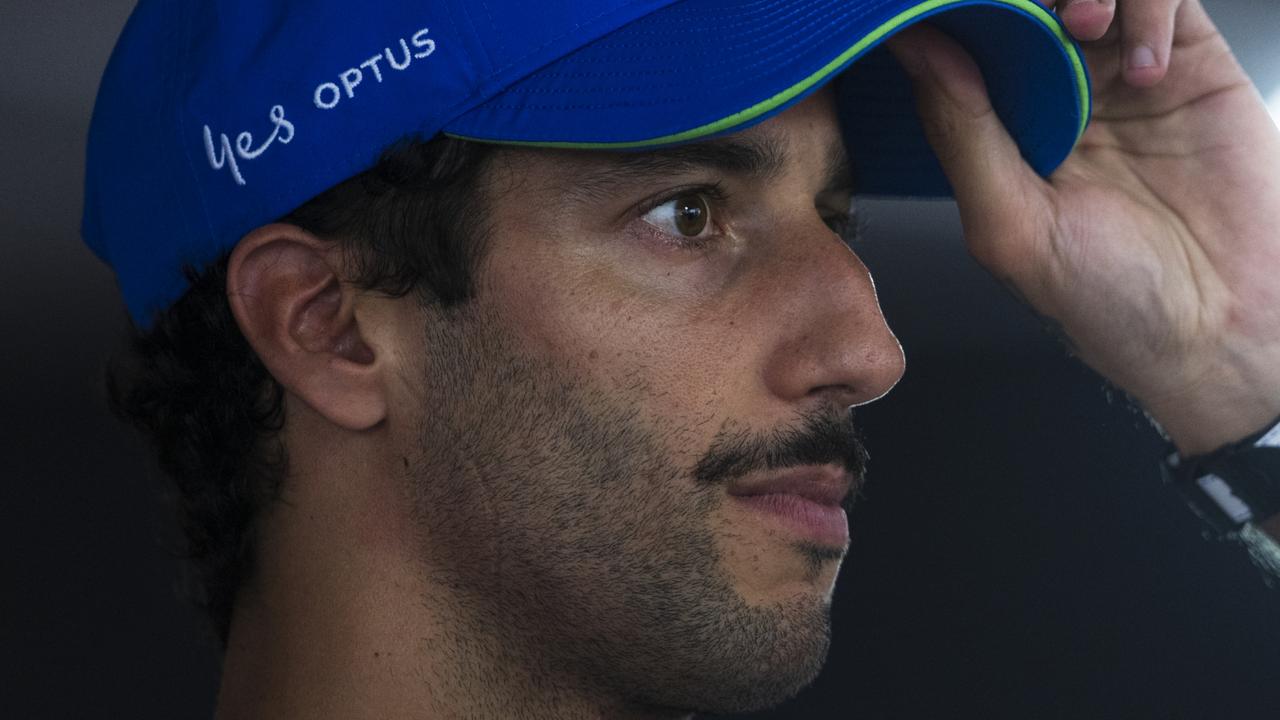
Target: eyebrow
(839, 174)
(758, 156)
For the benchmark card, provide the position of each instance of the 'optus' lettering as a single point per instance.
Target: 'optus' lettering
(327, 95)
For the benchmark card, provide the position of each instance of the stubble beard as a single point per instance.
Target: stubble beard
(577, 548)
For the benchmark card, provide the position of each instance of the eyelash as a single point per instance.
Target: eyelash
(717, 198)
(851, 227)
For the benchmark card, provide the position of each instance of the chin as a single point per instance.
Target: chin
(762, 658)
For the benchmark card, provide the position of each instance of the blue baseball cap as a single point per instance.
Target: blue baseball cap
(218, 116)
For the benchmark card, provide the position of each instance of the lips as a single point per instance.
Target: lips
(806, 502)
(823, 485)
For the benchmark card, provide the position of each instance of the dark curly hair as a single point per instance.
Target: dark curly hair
(195, 388)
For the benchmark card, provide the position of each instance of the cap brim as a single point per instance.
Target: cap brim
(701, 68)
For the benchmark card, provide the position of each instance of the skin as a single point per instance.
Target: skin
(495, 510)
(1153, 246)
(523, 470)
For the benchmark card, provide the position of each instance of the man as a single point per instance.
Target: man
(545, 429)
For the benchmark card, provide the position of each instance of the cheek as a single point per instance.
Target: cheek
(627, 341)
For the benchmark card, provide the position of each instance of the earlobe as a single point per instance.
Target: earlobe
(285, 288)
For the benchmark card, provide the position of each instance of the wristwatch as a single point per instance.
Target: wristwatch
(1233, 486)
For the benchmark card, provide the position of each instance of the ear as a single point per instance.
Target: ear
(285, 289)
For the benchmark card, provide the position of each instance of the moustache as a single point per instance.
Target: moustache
(820, 438)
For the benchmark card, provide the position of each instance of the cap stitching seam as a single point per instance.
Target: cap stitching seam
(502, 43)
(182, 123)
(563, 35)
(471, 27)
(773, 11)
(763, 55)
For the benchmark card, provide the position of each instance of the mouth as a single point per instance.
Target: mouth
(807, 502)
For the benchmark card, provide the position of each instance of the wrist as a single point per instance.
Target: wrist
(1204, 431)
(1217, 408)
(1235, 487)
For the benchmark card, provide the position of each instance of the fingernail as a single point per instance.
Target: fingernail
(1142, 57)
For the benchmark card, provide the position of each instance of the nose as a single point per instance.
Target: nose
(835, 344)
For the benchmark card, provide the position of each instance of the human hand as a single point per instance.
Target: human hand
(1156, 244)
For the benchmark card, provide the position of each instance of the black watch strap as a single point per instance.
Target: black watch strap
(1233, 485)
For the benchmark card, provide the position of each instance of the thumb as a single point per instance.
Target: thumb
(1002, 201)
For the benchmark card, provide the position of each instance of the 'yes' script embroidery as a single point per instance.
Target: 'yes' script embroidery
(225, 155)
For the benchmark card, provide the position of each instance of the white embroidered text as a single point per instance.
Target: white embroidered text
(327, 95)
(226, 155)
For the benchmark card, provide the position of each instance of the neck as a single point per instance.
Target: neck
(345, 619)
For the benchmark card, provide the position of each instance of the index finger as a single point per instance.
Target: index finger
(1086, 20)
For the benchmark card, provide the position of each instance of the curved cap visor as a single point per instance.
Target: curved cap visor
(702, 68)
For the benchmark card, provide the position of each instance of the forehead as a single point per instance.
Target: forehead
(805, 137)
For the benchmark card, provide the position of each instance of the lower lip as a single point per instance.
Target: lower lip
(823, 524)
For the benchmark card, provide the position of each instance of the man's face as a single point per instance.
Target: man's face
(653, 336)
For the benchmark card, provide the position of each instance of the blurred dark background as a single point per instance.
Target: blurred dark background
(1014, 557)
